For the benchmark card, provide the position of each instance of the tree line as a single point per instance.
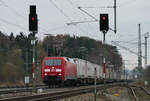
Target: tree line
(16, 53)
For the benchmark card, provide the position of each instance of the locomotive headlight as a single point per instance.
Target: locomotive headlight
(58, 70)
(47, 70)
(59, 74)
(45, 74)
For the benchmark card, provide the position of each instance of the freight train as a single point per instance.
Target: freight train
(73, 71)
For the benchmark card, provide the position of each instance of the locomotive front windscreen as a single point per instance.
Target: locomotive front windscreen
(56, 62)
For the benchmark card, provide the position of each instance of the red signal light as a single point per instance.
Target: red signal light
(104, 22)
(103, 18)
(33, 18)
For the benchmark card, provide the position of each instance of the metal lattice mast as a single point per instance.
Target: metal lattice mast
(146, 36)
(145, 51)
(139, 53)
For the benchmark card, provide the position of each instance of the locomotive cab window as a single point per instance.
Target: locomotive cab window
(53, 62)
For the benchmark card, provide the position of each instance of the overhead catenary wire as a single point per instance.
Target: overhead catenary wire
(79, 8)
(19, 15)
(12, 24)
(60, 10)
(130, 42)
(84, 11)
(12, 9)
(76, 8)
(97, 7)
(75, 23)
(121, 5)
(8, 22)
(65, 15)
(131, 51)
(87, 13)
(86, 21)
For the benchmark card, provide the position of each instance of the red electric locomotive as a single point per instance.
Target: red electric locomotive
(59, 71)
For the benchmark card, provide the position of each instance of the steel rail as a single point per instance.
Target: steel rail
(57, 95)
(133, 92)
(146, 91)
(19, 90)
(48, 96)
(19, 86)
(63, 95)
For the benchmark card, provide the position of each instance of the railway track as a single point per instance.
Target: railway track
(134, 94)
(47, 96)
(18, 86)
(146, 91)
(140, 93)
(59, 94)
(20, 89)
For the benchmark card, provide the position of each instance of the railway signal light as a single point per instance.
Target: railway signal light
(33, 21)
(104, 22)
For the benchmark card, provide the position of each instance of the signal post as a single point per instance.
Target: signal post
(104, 27)
(33, 28)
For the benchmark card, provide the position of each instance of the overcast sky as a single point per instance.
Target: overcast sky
(54, 14)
